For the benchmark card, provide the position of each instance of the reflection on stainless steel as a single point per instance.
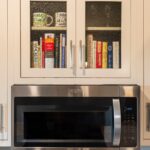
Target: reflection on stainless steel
(59, 141)
(65, 148)
(62, 90)
(129, 91)
(117, 122)
(80, 91)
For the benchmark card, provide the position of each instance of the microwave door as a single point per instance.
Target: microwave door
(117, 122)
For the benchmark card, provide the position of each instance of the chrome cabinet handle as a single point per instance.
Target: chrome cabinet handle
(117, 122)
(74, 59)
(72, 62)
(70, 65)
(1, 116)
(81, 54)
(82, 57)
(83, 60)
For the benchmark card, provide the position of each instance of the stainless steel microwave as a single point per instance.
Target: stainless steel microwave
(104, 117)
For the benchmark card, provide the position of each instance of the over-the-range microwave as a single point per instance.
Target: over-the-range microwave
(73, 117)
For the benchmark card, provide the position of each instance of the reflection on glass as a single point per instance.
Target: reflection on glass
(103, 35)
(48, 34)
(108, 14)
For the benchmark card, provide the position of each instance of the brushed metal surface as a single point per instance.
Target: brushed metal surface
(62, 90)
(75, 91)
(133, 91)
(117, 122)
(47, 148)
(129, 91)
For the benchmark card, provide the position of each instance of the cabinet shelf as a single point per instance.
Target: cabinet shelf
(103, 28)
(49, 28)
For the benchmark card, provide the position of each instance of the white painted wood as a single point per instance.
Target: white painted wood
(136, 51)
(145, 133)
(3, 72)
(103, 28)
(125, 40)
(26, 70)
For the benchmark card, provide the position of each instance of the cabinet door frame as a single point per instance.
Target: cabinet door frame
(4, 73)
(124, 71)
(146, 133)
(26, 70)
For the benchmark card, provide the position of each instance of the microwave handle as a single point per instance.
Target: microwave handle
(117, 122)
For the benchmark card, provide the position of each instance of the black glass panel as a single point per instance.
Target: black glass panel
(45, 121)
(86, 121)
(64, 125)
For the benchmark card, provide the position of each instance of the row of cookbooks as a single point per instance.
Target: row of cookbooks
(102, 54)
(49, 51)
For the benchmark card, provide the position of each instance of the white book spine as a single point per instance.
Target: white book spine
(89, 50)
(49, 62)
(94, 54)
(35, 49)
(115, 54)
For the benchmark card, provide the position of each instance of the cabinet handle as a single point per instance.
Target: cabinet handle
(70, 65)
(83, 60)
(1, 116)
(81, 54)
(82, 57)
(148, 117)
(74, 59)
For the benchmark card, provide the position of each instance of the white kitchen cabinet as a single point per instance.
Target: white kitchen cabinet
(145, 113)
(30, 33)
(107, 21)
(4, 141)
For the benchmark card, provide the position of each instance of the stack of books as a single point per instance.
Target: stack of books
(102, 54)
(49, 51)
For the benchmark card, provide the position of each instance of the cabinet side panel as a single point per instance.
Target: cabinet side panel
(146, 133)
(3, 72)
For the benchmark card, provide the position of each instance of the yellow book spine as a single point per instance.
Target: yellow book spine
(104, 54)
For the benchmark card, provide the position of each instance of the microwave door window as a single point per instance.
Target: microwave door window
(81, 122)
(83, 126)
(108, 127)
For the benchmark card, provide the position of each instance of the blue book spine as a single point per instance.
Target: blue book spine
(63, 50)
(110, 55)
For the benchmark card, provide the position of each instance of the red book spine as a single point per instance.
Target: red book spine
(49, 42)
(43, 53)
(99, 54)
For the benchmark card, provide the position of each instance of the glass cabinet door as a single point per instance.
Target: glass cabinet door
(103, 38)
(47, 38)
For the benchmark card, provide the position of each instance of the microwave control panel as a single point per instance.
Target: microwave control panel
(129, 122)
